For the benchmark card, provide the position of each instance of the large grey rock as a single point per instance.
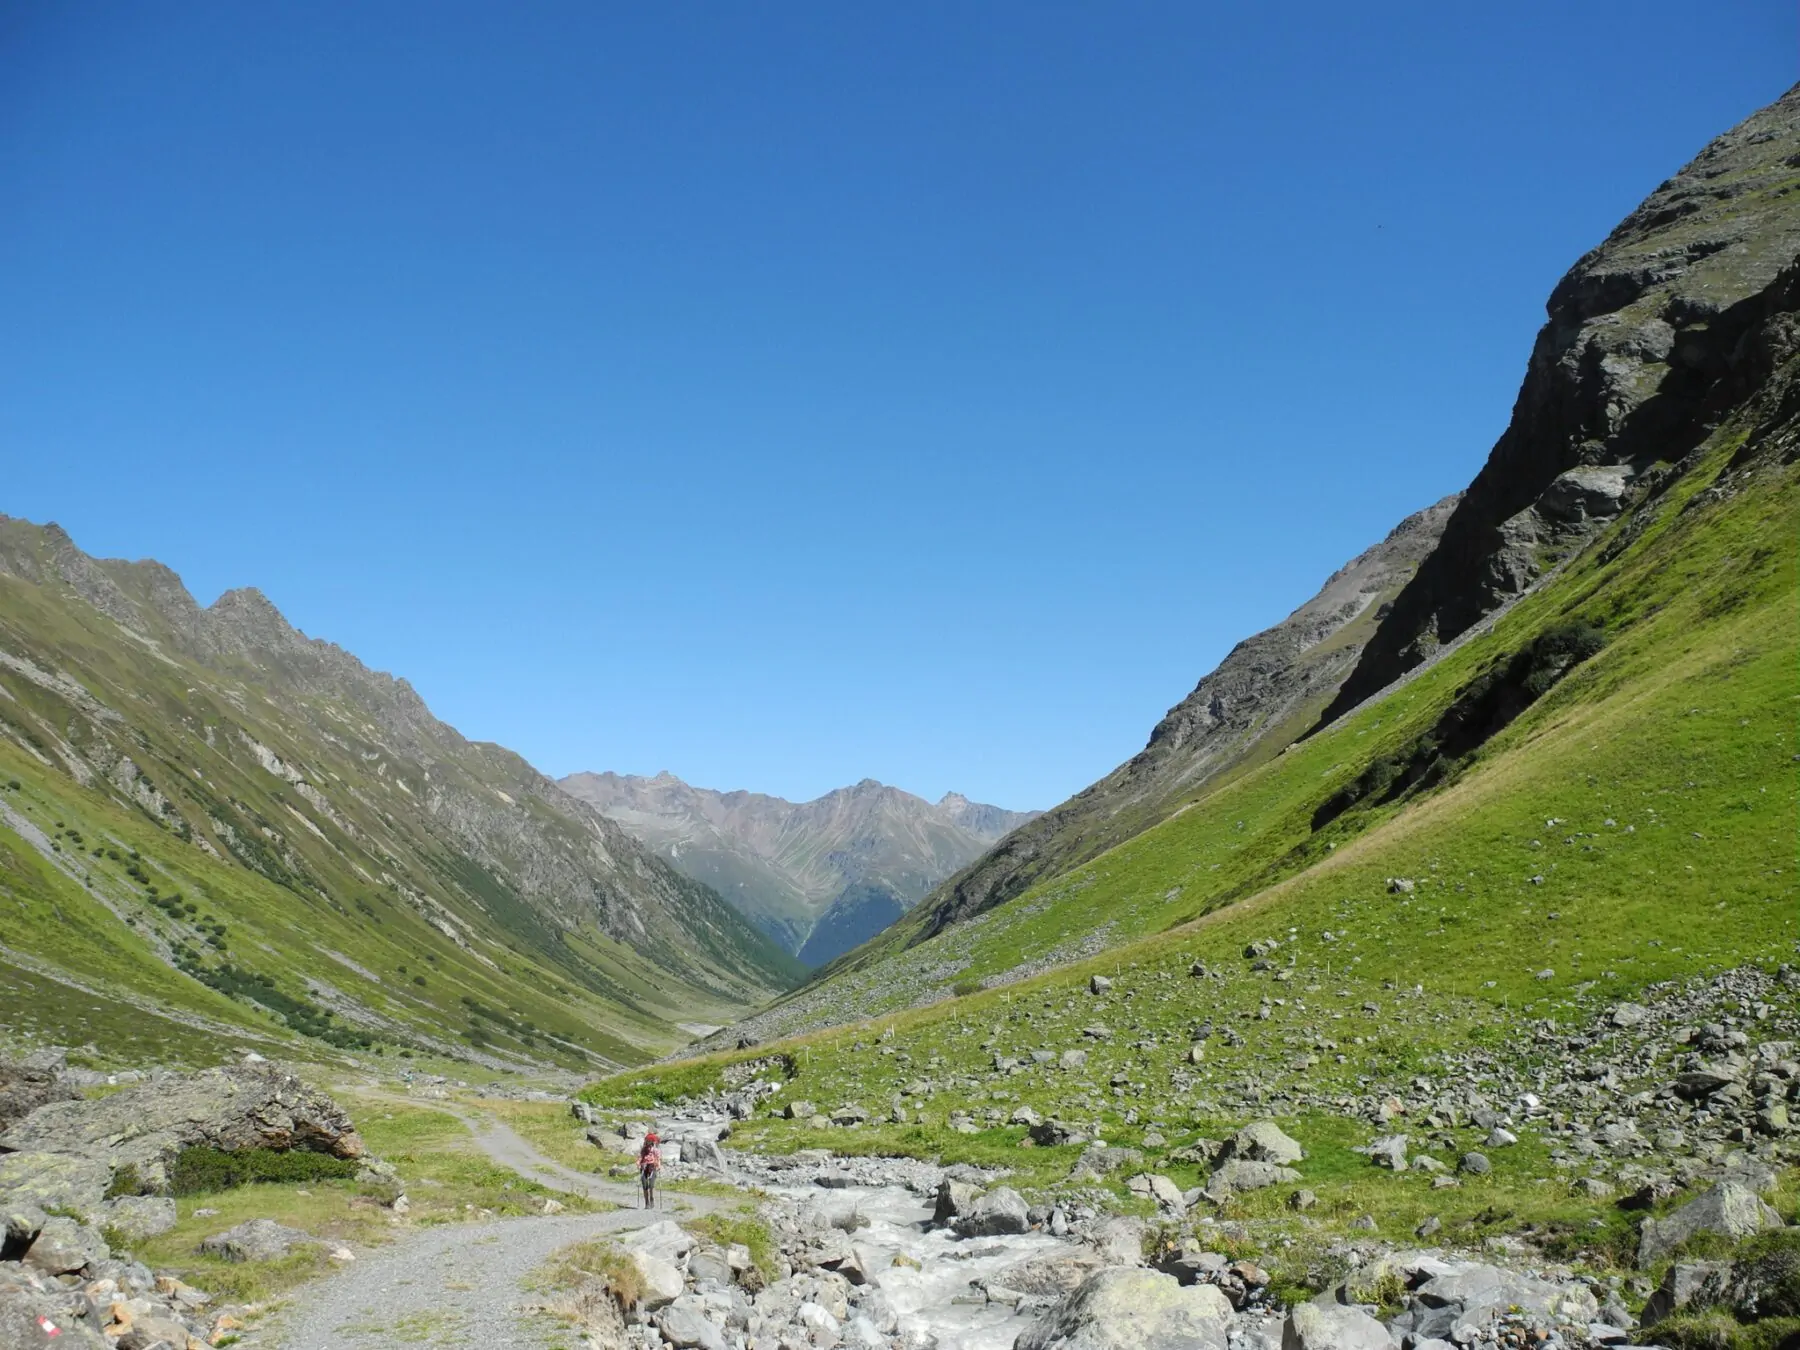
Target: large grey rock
(1588, 492)
(28, 1084)
(1686, 1282)
(62, 1245)
(1054, 1274)
(1389, 1151)
(1477, 1293)
(54, 1182)
(954, 1198)
(662, 1280)
(665, 1239)
(1132, 1310)
(255, 1240)
(684, 1325)
(1728, 1209)
(30, 1320)
(1002, 1210)
(1312, 1327)
(709, 1263)
(1239, 1175)
(19, 1224)
(1157, 1187)
(236, 1107)
(139, 1216)
(1264, 1141)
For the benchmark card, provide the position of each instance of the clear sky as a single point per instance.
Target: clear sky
(783, 394)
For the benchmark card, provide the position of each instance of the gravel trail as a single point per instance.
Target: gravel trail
(461, 1286)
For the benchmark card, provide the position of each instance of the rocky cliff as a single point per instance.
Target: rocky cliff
(1651, 341)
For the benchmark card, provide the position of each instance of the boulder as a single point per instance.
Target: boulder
(30, 1320)
(954, 1198)
(800, 1110)
(684, 1324)
(139, 1216)
(54, 1182)
(63, 1245)
(1729, 1209)
(1102, 1160)
(1129, 1310)
(662, 1280)
(844, 1215)
(19, 1224)
(1765, 1276)
(1051, 1133)
(1072, 1059)
(1054, 1274)
(1588, 492)
(1476, 1293)
(1312, 1327)
(239, 1106)
(255, 1240)
(1389, 1151)
(709, 1263)
(1684, 1283)
(27, 1084)
(1159, 1188)
(1002, 1210)
(1264, 1141)
(665, 1240)
(1099, 984)
(1239, 1175)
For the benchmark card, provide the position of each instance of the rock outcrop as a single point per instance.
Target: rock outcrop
(75, 1148)
(1655, 337)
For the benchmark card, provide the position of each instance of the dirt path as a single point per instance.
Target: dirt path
(461, 1286)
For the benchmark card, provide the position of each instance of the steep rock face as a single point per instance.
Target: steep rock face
(1651, 340)
(1258, 700)
(858, 852)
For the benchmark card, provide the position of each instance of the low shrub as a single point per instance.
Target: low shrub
(199, 1170)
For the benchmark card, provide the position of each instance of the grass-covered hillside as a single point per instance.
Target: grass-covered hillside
(214, 827)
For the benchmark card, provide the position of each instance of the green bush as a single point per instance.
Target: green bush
(1770, 1265)
(125, 1181)
(199, 1170)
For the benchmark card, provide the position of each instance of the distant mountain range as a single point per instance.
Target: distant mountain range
(214, 825)
(818, 877)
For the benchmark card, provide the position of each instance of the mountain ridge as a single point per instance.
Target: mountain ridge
(274, 764)
(1257, 695)
(860, 850)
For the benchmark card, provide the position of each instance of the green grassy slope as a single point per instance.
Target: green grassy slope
(1698, 608)
(1633, 828)
(201, 840)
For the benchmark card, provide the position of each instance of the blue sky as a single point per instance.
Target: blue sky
(787, 394)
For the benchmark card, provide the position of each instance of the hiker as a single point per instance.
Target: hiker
(649, 1164)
